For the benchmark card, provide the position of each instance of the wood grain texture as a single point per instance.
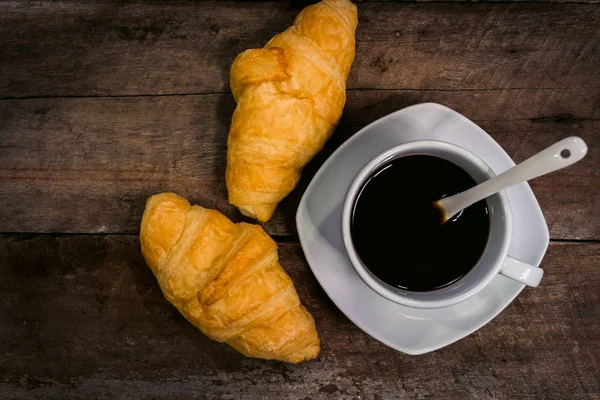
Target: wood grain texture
(152, 48)
(83, 317)
(87, 165)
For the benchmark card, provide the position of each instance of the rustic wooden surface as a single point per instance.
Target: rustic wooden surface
(104, 103)
(83, 316)
(148, 48)
(103, 156)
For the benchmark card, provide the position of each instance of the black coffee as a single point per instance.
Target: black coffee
(398, 234)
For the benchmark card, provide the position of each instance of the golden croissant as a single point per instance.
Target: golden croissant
(290, 96)
(225, 278)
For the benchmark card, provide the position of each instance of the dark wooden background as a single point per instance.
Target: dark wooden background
(104, 103)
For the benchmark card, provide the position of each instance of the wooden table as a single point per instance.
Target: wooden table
(104, 103)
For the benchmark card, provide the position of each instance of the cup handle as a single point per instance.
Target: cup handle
(522, 272)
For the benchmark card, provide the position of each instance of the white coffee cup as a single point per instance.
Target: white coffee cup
(495, 258)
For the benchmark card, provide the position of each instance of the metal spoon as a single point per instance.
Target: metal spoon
(560, 155)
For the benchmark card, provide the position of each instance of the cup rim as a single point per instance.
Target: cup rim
(374, 283)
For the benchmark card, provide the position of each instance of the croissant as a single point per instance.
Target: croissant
(290, 97)
(226, 280)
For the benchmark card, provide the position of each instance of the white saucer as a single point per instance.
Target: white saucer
(410, 330)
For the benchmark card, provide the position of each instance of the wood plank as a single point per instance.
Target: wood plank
(109, 49)
(87, 165)
(83, 317)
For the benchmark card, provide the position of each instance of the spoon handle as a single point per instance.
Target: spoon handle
(560, 155)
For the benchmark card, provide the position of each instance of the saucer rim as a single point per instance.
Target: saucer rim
(543, 240)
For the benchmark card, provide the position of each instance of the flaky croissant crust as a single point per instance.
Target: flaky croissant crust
(226, 279)
(290, 96)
